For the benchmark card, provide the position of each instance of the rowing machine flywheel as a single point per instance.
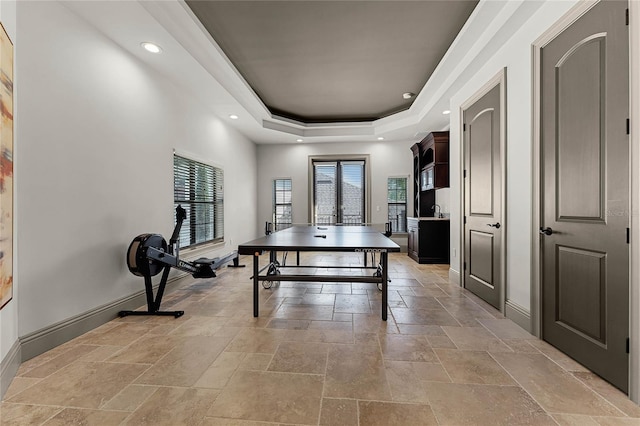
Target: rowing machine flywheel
(137, 260)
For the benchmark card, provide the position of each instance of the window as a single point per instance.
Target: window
(198, 188)
(281, 204)
(397, 202)
(338, 192)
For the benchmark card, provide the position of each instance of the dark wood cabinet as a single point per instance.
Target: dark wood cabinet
(430, 171)
(428, 239)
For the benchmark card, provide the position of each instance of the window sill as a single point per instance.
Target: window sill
(200, 250)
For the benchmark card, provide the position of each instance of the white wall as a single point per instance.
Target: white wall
(515, 55)
(97, 132)
(291, 161)
(9, 313)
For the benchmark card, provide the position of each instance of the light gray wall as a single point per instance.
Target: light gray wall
(97, 131)
(291, 161)
(516, 57)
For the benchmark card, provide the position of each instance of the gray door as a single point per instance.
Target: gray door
(585, 191)
(482, 206)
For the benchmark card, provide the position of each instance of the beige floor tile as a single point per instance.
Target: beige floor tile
(475, 339)
(320, 336)
(198, 326)
(18, 384)
(130, 398)
(404, 382)
(81, 384)
(463, 404)
(339, 412)
(185, 363)
(473, 367)
(372, 323)
(307, 312)
(270, 396)
(304, 361)
(146, 350)
(556, 390)
(60, 361)
(558, 357)
(300, 357)
(611, 394)
(76, 416)
(406, 348)
(258, 362)
(426, 330)
(352, 304)
(120, 335)
(25, 414)
(574, 420)
(288, 324)
(374, 413)
(616, 421)
(172, 406)
(356, 371)
(219, 421)
(258, 340)
(424, 316)
(441, 342)
(506, 329)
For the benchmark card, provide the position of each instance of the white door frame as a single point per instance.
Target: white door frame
(634, 111)
(499, 79)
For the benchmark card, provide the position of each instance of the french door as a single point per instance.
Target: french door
(339, 192)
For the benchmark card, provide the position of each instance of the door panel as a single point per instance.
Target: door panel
(579, 79)
(481, 259)
(585, 191)
(482, 186)
(580, 291)
(480, 163)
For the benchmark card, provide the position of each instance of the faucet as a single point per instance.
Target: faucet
(439, 211)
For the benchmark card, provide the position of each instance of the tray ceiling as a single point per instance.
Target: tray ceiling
(334, 61)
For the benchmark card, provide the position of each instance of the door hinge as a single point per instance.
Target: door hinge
(464, 266)
(627, 345)
(628, 127)
(464, 174)
(464, 220)
(464, 127)
(628, 235)
(627, 17)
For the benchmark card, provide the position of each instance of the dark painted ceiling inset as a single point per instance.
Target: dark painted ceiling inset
(334, 61)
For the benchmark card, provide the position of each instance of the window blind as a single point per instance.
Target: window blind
(397, 203)
(198, 187)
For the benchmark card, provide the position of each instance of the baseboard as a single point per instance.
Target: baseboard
(9, 367)
(454, 276)
(518, 314)
(47, 338)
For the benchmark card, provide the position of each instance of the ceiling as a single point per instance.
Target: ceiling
(334, 61)
(193, 63)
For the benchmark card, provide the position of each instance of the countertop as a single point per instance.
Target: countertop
(429, 218)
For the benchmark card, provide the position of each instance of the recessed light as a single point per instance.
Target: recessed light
(298, 140)
(408, 95)
(446, 112)
(151, 47)
(380, 138)
(233, 117)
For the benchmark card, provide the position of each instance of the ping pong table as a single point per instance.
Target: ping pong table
(322, 238)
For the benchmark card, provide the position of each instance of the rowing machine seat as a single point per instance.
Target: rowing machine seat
(205, 261)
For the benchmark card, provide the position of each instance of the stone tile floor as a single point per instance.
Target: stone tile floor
(318, 354)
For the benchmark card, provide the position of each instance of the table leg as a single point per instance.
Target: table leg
(385, 263)
(256, 258)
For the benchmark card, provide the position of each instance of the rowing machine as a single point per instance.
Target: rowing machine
(149, 254)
